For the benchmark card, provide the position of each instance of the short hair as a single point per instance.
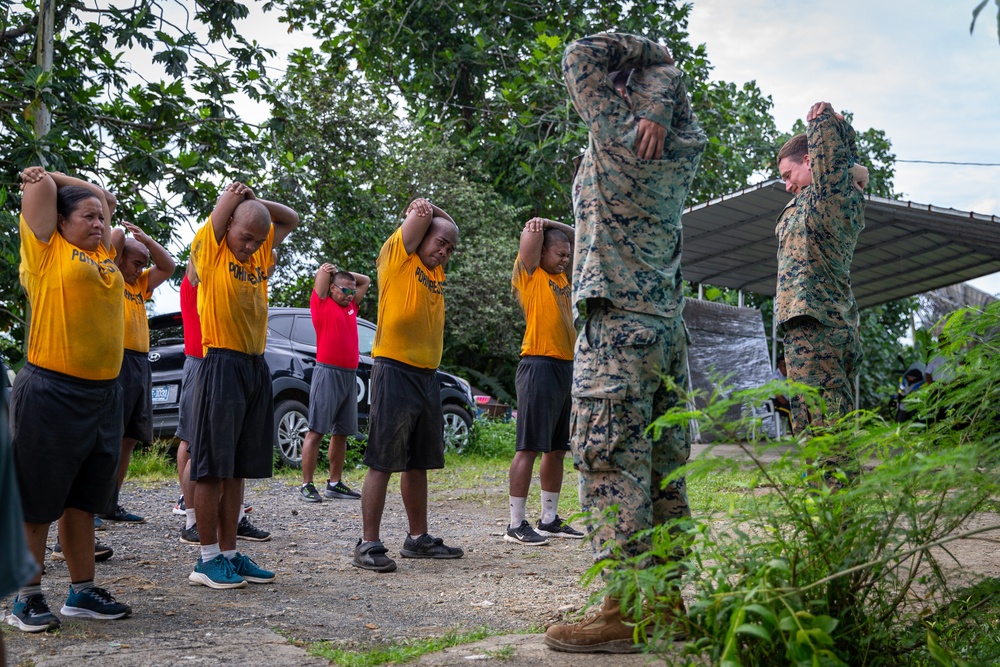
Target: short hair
(69, 197)
(131, 245)
(552, 235)
(346, 275)
(252, 212)
(619, 79)
(794, 149)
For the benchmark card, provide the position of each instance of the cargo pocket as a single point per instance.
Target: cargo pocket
(609, 372)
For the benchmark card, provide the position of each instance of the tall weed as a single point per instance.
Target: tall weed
(855, 564)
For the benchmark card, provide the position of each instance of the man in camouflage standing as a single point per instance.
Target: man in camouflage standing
(628, 196)
(817, 233)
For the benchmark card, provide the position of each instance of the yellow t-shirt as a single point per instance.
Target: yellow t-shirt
(232, 297)
(77, 310)
(545, 302)
(410, 307)
(136, 322)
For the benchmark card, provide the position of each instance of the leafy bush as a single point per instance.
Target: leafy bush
(492, 438)
(844, 563)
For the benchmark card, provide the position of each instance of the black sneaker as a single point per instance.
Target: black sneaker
(309, 493)
(32, 614)
(248, 531)
(121, 515)
(558, 528)
(371, 556)
(524, 534)
(102, 552)
(426, 546)
(190, 535)
(340, 490)
(179, 508)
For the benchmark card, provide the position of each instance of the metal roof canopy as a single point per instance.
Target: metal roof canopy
(905, 248)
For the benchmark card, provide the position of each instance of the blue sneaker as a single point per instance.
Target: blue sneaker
(249, 570)
(95, 603)
(32, 614)
(217, 573)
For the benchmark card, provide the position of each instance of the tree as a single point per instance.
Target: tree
(488, 77)
(163, 144)
(979, 8)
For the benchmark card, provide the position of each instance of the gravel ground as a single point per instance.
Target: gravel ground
(318, 595)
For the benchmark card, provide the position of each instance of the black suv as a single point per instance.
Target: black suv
(290, 354)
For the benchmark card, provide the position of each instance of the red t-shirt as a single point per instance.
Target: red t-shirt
(336, 332)
(189, 313)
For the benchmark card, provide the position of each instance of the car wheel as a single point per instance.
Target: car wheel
(291, 423)
(457, 427)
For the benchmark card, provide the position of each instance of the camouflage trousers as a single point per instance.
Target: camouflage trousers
(618, 390)
(824, 357)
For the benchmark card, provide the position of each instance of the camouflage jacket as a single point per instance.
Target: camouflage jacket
(818, 230)
(628, 210)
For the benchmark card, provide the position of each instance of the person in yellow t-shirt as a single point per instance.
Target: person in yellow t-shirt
(541, 284)
(136, 377)
(66, 408)
(232, 422)
(405, 422)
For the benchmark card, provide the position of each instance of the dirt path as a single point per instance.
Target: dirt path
(318, 595)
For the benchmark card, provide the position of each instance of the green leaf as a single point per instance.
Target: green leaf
(754, 630)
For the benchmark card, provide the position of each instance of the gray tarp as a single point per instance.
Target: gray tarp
(728, 345)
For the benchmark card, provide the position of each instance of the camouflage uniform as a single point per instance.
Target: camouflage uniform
(627, 269)
(817, 233)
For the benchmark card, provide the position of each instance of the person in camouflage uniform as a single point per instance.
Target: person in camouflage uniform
(628, 195)
(817, 233)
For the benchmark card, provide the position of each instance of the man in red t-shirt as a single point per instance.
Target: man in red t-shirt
(333, 396)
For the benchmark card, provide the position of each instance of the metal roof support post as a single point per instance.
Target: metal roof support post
(774, 340)
(857, 391)
(701, 291)
(739, 298)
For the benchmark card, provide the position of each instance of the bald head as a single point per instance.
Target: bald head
(249, 228)
(439, 243)
(133, 260)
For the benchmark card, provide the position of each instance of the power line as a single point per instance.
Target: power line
(960, 164)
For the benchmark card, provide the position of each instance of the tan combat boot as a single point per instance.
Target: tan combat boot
(602, 632)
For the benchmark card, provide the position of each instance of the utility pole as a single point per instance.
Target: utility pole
(44, 48)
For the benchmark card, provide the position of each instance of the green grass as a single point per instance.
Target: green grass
(152, 464)
(397, 652)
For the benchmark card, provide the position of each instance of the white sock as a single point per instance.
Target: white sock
(242, 514)
(229, 554)
(189, 518)
(210, 551)
(518, 510)
(550, 506)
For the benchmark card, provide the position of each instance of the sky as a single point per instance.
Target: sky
(908, 67)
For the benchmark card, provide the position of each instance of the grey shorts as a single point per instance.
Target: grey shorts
(136, 380)
(543, 403)
(232, 418)
(184, 406)
(67, 438)
(333, 400)
(405, 425)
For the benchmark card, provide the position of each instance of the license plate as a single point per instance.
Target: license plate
(161, 394)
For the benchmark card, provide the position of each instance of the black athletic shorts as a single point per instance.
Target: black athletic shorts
(232, 417)
(136, 380)
(543, 404)
(405, 424)
(67, 437)
(184, 405)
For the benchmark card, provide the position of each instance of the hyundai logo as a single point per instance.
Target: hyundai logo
(154, 356)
